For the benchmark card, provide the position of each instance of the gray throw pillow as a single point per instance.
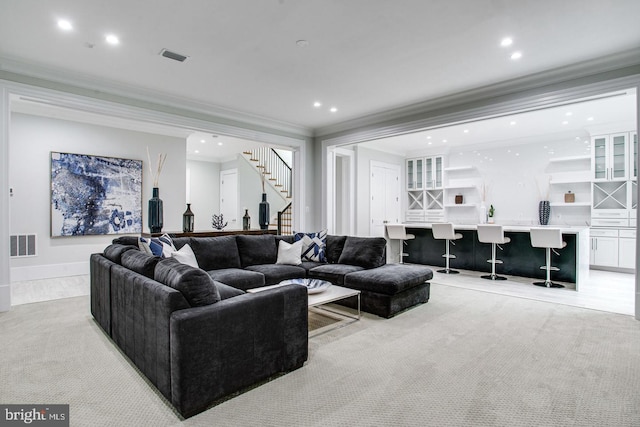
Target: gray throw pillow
(366, 252)
(194, 283)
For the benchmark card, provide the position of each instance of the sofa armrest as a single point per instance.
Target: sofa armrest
(227, 346)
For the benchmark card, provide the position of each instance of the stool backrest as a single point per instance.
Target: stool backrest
(443, 231)
(490, 233)
(396, 231)
(546, 238)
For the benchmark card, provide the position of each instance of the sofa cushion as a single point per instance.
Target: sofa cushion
(126, 240)
(227, 291)
(238, 278)
(216, 252)
(389, 279)
(140, 262)
(257, 250)
(308, 265)
(334, 273)
(366, 252)
(114, 252)
(335, 244)
(276, 273)
(289, 253)
(195, 284)
(314, 245)
(186, 256)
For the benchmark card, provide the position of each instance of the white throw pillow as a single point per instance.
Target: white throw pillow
(186, 256)
(289, 253)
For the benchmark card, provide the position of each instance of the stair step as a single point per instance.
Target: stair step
(247, 152)
(253, 160)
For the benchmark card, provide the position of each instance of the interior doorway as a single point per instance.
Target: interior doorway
(385, 197)
(229, 197)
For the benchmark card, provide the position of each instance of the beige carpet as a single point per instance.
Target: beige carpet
(466, 358)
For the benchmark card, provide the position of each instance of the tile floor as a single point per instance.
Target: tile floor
(604, 290)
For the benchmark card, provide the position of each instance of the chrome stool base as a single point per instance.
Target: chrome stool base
(493, 277)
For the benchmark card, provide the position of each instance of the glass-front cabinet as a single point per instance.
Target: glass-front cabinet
(415, 174)
(633, 168)
(433, 172)
(610, 157)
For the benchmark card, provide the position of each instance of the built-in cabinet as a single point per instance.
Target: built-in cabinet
(425, 190)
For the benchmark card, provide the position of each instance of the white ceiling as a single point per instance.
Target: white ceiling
(362, 57)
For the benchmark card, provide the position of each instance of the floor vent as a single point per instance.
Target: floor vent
(23, 245)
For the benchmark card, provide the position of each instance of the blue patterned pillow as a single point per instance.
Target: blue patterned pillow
(159, 246)
(314, 245)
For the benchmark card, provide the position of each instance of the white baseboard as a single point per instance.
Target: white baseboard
(38, 272)
(5, 297)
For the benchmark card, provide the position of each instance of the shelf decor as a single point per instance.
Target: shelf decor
(246, 220)
(155, 203)
(217, 221)
(544, 211)
(569, 197)
(188, 220)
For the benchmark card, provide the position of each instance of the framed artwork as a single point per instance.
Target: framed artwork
(93, 195)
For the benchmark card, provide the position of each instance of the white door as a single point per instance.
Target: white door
(384, 197)
(229, 197)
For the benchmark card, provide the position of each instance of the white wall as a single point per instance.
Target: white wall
(510, 174)
(32, 138)
(203, 192)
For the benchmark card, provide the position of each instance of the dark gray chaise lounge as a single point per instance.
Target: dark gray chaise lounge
(198, 336)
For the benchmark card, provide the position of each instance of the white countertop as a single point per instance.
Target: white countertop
(566, 229)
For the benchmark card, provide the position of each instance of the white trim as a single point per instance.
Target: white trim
(351, 155)
(38, 272)
(5, 274)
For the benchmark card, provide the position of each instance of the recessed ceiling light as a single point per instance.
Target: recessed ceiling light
(590, 119)
(444, 140)
(466, 131)
(317, 104)
(512, 123)
(507, 41)
(516, 55)
(568, 113)
(302, 43)
(428, 137)
(63, 24)
(203, 141)
(112, 39)
(565, 122)
(220, 143)
(197, 151)
(429, 143)
(517, 154)
(333, 109)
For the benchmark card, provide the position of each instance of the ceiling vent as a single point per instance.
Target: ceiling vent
(172, 55)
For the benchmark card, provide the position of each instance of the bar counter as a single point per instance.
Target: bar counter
(518, 256)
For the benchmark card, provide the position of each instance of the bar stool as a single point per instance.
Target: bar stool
(550, 239)
(446, 232)
(493, 234)
(399, 232)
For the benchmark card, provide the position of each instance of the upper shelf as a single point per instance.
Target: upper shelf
(570, 158)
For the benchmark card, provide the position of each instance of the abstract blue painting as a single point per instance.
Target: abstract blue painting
(93, 195)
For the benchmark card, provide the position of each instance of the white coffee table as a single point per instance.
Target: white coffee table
(318, 301)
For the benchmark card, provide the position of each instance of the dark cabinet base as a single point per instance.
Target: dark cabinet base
(518, 256)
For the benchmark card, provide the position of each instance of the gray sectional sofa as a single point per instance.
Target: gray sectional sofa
(199, 336)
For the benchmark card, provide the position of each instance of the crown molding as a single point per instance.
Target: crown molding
(508, 92)
(14, 70)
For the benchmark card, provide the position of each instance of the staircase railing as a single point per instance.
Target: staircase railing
(274, 167)
(285, 217)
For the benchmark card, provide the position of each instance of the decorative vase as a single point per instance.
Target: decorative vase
(263, 211)
(544, 210)
(155, 212)
(246, 220)
(483, 213)
(188, 220)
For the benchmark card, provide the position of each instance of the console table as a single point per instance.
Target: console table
(211, 233)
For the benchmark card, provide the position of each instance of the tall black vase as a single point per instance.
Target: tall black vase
(544, 210)
(263, 212)
(155, 212)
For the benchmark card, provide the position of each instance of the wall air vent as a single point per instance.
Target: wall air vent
(172, 55)
(23, 245)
